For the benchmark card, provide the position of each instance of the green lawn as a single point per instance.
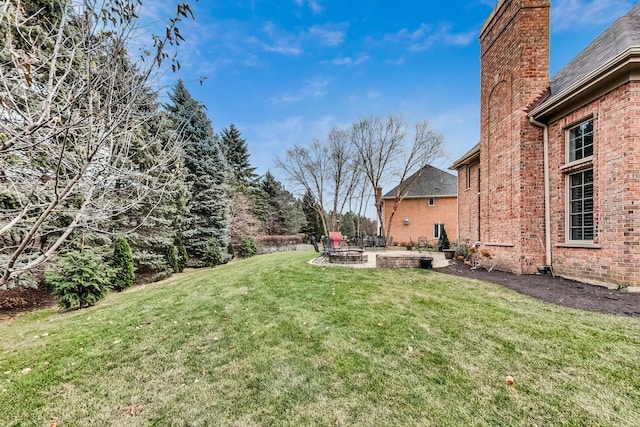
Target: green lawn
(273, 340)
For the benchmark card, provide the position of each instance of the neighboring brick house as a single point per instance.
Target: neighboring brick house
(555, 179)
(429, 204)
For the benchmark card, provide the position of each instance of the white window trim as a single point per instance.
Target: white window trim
(431, 201)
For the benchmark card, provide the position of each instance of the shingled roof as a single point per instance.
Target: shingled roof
(623, 34)
(430, 182)
(473, 153)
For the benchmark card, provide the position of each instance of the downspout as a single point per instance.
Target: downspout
(547, 191)
(458, 209)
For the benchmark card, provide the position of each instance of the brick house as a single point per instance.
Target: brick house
(429, 204)
(555, 179)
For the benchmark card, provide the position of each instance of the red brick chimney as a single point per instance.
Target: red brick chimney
(514, 44)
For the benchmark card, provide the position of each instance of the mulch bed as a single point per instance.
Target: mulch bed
(20, 299)
(557, 290)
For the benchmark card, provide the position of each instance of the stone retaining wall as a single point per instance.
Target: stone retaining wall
(398, 261)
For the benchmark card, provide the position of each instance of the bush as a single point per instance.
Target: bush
(463, 250)
(247, 248)
(445, 239)
(82, 280)
(122, 263)
(183, 257)
(213, 255)
(171, 253)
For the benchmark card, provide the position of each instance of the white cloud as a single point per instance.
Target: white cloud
(282, 49)
(423, 38)
(349, 61)
(291, 44)
(314, 5)
(279, 41)
(328, 34)
(312, 89)
(572, 14)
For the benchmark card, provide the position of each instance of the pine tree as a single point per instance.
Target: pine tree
(153, 225)
(444, 238)
(284, 213)
(236, 154)
(207, 205)
(314, 223)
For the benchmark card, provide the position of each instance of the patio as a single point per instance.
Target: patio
(388, 259)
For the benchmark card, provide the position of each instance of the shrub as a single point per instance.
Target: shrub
(445, 239)
(247, 248)
(82, 280)
(183, 257)
(213, 255)
(463, 250)
(171, 253)
(122, 263)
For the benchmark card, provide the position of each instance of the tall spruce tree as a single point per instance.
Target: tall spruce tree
(207, 204)
(314, 223)
(236, 154)
(153, 226)
(284, 214)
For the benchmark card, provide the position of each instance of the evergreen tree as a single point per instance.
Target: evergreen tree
(122, 262)
(444, 238)
(314, 223)
(153, 225)
(348, 224)
(82, 279)
(284, 213)
(236, 154)
(272, 216)
(207, 204)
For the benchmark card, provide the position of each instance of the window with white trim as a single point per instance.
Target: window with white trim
(580, 144)
(581, 225)
(432, 201)
(436, 230)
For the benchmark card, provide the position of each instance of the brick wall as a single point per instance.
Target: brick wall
(422, 218)
(615, 256)
(514, 72)
(469, 202)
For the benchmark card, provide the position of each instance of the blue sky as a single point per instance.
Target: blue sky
(287, 71)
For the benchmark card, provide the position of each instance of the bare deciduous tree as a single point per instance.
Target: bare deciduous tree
(327, 172)
(306, 169)
(71, 101)
(342, 172)
(386, 157)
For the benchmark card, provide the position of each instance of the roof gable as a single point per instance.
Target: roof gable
(429, 182)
